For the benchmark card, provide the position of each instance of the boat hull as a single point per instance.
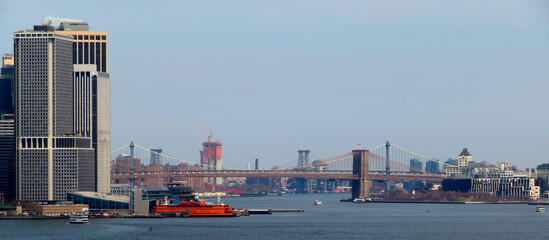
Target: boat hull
(79, 222)
(195, 209)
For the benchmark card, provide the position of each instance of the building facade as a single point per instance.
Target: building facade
(7, 157)
(210, 158)
(451, 171)
(416, 166)
(6, 85)
(90, 50)
(432, 167)
(51, 158)
(543, 170)
(90, 47)
(464, 158)
(92, 117)
(508, 187)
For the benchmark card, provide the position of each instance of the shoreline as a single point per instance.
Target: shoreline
(447, 202)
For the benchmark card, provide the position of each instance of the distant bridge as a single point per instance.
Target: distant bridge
(336, 174)
(361, 166)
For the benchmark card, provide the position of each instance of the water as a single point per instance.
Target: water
(332, 220)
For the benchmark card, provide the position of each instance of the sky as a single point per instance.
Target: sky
(271, 77)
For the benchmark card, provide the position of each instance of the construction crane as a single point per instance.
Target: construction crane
(205, 132)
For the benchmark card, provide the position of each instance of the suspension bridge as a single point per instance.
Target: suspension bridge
(386, 162)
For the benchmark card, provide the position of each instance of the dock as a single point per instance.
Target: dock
(270, 211)
(259, 211)
(287, 210)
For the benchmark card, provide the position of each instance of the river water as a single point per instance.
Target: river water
(332, 220)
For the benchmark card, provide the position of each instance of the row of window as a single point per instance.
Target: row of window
(34, 35)
(90, 37)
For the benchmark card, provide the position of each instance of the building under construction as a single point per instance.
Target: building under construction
(210, 158)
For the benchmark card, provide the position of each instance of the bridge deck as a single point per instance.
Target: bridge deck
(380, 176)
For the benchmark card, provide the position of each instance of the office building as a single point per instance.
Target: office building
(432, 166)
(542, 171)
(6, 85)
(416, 166)
(92, 117)
(52, 159)
(7, 157)
(7, 137)
(90, 47)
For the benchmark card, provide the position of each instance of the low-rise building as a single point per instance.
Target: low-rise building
(451, 171)
(134, 204)
(60, 210)
(10, 210)
(522, 188)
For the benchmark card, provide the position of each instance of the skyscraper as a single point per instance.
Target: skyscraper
(7, 138)
(432, 167)
(52, 159)
(416, 166)
(7, 157)
(6, 85)
(92, 117)
(89, 47)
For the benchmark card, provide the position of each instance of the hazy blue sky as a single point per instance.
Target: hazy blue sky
(272, 77)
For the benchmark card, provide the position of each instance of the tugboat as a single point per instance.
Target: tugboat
(195, 208)
(359, 200)
(540, 208)
(318, 202)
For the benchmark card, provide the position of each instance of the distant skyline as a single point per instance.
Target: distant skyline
(271, 77)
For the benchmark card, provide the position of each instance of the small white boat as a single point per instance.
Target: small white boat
(78, 218)
(359, 200)
(318, 202)
(540, 209)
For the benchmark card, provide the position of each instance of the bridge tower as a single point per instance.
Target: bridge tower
(305, 184)
(361, 187)
(387, 166)
(132, 169)
(156, 158)
(303, 157)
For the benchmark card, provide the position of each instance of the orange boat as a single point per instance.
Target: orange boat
(196, 208)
